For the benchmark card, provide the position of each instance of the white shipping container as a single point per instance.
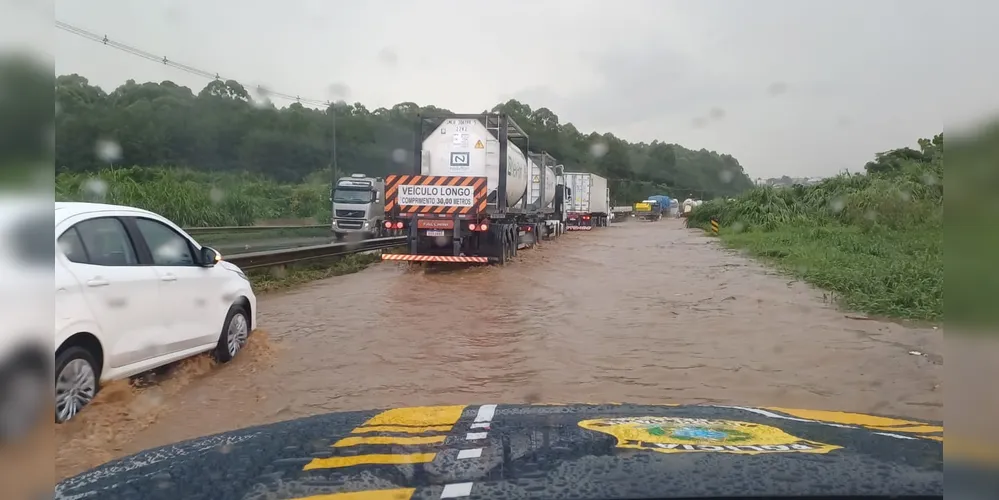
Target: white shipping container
(589, 193)
(536, 184)
(466, 147)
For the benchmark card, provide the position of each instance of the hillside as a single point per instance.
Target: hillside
(221, 129)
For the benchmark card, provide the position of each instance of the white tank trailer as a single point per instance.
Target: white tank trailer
(451, 215)
(545, 189)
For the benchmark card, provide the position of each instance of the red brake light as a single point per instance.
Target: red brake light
(398, 225)
(484, 227)
(388, 224)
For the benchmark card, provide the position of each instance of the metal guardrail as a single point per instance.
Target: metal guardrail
(302, 254)
(247, 229)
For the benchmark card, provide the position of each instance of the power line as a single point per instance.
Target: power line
(263, 91)
(124, 47)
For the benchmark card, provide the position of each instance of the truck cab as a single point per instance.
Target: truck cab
(358, 207)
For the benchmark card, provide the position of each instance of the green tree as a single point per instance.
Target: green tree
(222, 129)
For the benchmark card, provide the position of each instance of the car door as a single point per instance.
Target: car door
(122, 295)
(193, 301)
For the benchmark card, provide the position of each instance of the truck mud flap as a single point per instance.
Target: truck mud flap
(579, 228)
(436, 258)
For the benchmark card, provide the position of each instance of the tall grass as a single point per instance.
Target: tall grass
(875, 241)
(199, 199)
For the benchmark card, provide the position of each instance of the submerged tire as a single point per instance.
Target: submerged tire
(235, 333)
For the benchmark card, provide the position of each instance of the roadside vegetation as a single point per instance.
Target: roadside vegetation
(873, 239)
(275, 279)
(194, 198)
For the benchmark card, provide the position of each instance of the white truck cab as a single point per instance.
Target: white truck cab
(358, 207)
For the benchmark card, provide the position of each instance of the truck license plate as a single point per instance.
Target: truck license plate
(435, 232)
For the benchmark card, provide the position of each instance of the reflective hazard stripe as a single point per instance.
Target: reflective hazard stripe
(433, 258)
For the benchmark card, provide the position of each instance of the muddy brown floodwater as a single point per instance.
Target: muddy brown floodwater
(637, 312)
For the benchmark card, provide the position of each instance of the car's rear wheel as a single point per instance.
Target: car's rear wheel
(235, 332)
(76, 382)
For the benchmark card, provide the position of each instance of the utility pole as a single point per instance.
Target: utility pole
(334, 168)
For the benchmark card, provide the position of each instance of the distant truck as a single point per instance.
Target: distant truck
(650, 210)
(358, 207)
(471, 196)
(588, 203)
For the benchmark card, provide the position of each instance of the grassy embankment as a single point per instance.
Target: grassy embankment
(198, 199)
(874, 241)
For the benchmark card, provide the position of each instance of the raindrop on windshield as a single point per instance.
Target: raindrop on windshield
(95, 189)
(216, 195)
(399, 155)
(108, 150)
(837, 205)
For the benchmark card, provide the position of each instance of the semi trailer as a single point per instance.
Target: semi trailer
(470, 196)
(588, 202)
(543, 196)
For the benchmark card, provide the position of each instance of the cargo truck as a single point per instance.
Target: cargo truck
(358, 207)
(468, 198)
(588, 201)
(649, 210)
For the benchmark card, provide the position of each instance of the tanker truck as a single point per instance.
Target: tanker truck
(588, 201)
(554, 181)
(468, 198)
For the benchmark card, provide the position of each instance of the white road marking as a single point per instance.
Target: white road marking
(485, 413)
(456, 490)
(480, 425)
(472, 436)
(473, 453)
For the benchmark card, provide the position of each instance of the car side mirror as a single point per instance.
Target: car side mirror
(210, 257)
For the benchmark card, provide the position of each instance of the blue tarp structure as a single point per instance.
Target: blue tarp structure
(662, 199)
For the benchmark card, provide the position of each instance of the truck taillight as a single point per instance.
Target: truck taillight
(388, 224)
(478, 227)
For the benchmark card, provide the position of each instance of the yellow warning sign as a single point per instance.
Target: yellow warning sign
(478, 145)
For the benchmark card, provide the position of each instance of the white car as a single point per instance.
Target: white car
(135, 292)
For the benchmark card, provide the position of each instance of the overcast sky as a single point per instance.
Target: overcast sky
(790, 87)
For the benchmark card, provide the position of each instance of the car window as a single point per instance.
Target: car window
(106, 242)
(72, 246)
(168, 247)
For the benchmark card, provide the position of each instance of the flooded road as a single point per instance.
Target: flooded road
(637, 312)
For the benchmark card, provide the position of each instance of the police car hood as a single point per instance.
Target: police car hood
(606, 451)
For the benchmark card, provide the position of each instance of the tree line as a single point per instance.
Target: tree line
(222, 129)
